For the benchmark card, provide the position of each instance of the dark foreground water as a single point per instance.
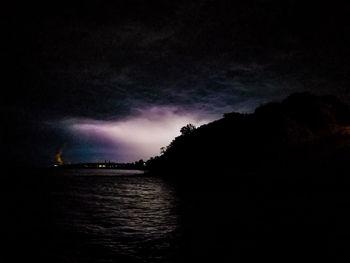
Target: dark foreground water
(76, 216)
(114, 215)
(91, 216)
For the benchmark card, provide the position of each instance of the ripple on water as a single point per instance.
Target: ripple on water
(132, 216)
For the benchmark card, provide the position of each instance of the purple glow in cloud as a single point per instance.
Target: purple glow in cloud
(141, 135)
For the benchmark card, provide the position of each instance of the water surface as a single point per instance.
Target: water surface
(109, 215)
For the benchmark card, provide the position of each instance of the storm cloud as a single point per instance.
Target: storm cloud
(99, 63)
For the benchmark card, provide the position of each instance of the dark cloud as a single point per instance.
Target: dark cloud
(103, 60)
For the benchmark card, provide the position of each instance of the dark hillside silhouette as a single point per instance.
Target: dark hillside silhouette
(302, 133)
(272, 184)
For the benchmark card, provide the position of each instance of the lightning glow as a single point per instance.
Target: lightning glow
(140, 135)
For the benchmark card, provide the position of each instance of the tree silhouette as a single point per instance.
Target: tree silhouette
(163, 150)
(188, 129)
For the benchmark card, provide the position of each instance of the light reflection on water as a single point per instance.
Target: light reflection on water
(104, 218)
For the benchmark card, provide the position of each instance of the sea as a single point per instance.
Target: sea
(106, 215)
(90, 215)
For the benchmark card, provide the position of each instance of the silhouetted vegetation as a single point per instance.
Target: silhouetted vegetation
(302, 132)
(187, 130)
(271, 184)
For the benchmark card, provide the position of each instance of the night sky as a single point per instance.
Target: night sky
(117, 80)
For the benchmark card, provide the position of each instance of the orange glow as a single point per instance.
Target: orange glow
(58, 157)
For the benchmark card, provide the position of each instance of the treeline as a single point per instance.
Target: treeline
(302, 132)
